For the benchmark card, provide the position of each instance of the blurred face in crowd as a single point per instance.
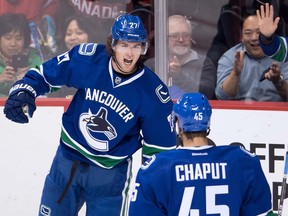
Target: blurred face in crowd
(11, 43)
(126, 56)
(74, 35)
(250, 35)
(180, 35)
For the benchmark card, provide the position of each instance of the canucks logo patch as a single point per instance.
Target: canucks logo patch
(87, 49)
(148, 162)
(97, 125)
(162, 94)
(44, 210)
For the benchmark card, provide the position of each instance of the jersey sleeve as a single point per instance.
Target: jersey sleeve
(65, 69)
(157, 126)
(277, 49)
(71, 68)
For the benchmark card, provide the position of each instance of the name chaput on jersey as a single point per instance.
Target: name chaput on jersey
(199, 171)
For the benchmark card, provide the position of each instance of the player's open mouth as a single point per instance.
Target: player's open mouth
(128, 62)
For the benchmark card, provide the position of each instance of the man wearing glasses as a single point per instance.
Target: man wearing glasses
(186, 72)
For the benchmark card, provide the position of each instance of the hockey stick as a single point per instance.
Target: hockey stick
(283, 191)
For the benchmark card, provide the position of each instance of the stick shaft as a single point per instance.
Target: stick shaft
(283, 190)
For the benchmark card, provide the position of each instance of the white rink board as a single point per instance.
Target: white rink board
(258, 129)
(26, 151)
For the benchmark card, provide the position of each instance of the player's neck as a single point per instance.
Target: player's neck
(196, 141)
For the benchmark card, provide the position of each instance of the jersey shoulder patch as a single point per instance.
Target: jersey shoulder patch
(87, 49)
(148, 162)
(162, 94)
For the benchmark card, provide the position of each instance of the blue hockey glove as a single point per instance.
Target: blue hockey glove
(20, 103)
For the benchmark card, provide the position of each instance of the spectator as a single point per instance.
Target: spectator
(76, 32)
(99, 14)
(41, 16)
(241, 67)
(186, 72)
(105, 123)
(230, 22)
(198, 179)
(14, 45)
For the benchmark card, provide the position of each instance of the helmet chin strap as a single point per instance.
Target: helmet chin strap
(120, 68)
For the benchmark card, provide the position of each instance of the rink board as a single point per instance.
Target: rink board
(26, 151)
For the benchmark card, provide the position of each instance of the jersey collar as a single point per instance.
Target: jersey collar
(118, 81)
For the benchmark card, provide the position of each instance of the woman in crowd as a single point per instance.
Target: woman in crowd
(76, 32)
(16, 55)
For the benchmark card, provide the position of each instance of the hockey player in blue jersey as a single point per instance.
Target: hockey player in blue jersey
(198, 179)
(120, 106)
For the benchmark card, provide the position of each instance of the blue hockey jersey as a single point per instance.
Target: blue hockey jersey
(276, 50)
(214, 181)
(111, 116)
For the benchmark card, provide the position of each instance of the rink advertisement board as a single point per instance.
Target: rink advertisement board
(262, 129)
(27, 150)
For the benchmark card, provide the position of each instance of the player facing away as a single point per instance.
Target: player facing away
(117, 98)
(199, 179)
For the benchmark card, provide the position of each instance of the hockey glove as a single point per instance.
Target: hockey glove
(20, 103)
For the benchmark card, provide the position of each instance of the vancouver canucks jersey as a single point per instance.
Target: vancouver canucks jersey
(214, 181)
(110, 116)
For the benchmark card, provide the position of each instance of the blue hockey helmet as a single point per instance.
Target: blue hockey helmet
(129, 28)
(193, 112)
